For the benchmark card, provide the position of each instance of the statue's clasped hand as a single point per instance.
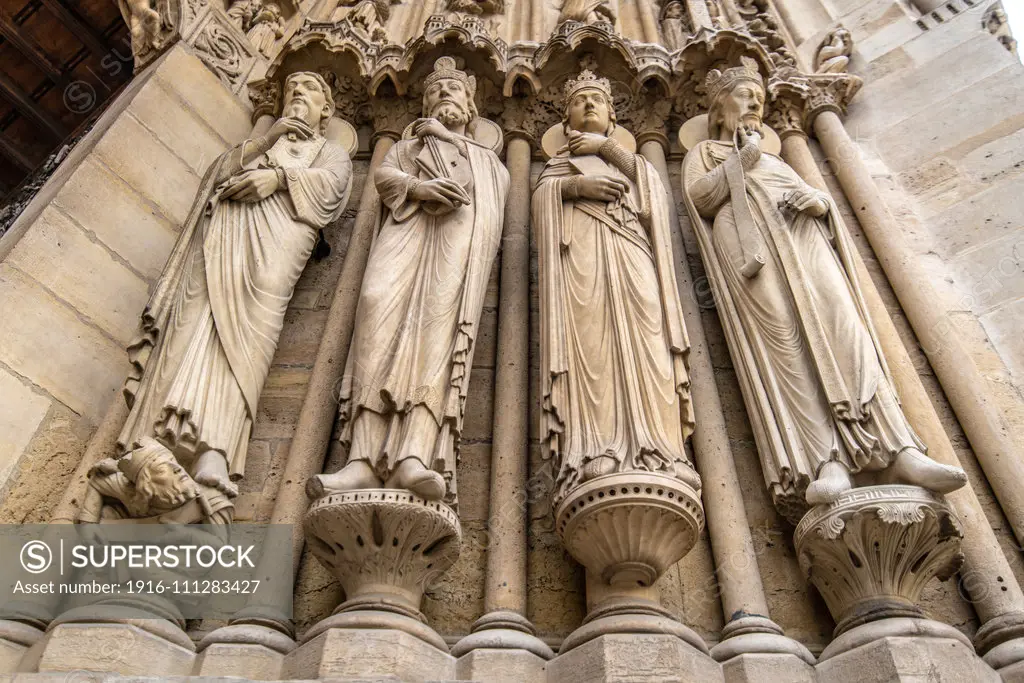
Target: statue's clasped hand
(441, 190)
(251, 186)
(430, 127)
(293, 128)
(602, 188)
(807, 201)
(582, 144)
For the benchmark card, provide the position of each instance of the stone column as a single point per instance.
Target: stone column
(963, 383)
(700, 17)
(649, 22)
(986, 574)
(260, 635)
(749, 629)
(503, 637)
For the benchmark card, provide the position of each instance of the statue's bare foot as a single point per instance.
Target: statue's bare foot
(833, 479)
(354, 476)
(411, 474)
(687, 475)
(212, 470)
(913, 467)
(599, 466)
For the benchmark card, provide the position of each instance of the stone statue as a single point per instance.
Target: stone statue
(243, 12)
(370, 16)
(674, 22)
(834, 54)
(211, 327)
(144, 23)
(779, 258)
(587, 11)
(613, 344)
(266, 29)
(403, 398)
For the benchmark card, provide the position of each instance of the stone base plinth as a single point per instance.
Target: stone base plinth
(756, 668)
(634, 657)
(368, 654)
(114, 648)
(254, 662)
(500, 666)
(909, 660)
(15, 640)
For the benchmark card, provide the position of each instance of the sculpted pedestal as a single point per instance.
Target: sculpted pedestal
(384, 546)
(870, 553)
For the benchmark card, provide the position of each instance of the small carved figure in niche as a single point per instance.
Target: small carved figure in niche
(212, 325)
(997, 23)
(403, 397)
(834, 54)
(587, 11)
(143, 22)
(243, 12)
(476, 7)
(615, 389)
(675, 24)
(814, 379)
(370, 16)
(266, 29)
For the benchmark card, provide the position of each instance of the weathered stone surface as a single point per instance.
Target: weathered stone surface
(80, 366)
(628, 658)
(909, 660)
(500, 666)
(116, 648)
(372, 654)
(254, 662)
(23, 410)
(82, 273)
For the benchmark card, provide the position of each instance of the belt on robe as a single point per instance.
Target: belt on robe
(599, 211)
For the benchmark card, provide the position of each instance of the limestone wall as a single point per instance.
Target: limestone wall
(77, 267)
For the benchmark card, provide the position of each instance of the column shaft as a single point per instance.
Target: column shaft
(961, 380)
(700, 17)
(507, 518)
(308, 449)
(731, 542)
(648, 21)
(987, 574)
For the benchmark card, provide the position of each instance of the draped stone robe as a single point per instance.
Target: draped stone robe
(613, 343)
(211, 328)
(581, 10)
(404, 391)
(810, 367)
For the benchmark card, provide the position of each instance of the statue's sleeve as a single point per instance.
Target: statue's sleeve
(393, 185)
(319, 193)
(709, 190)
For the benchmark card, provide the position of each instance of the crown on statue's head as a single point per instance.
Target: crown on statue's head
(718, 81)
(446, 67)
(587, 80)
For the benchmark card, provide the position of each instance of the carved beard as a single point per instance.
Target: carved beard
(299, 109)
(450, 114)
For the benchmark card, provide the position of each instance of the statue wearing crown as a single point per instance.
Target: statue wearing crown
(815, 382)
(613, 343)
(442, 193)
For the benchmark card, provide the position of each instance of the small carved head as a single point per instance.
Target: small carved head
(160, 482)
(449, 94)
(588, 105)
(737, 99)
(308, 97)
(673, 10)
(269, 12)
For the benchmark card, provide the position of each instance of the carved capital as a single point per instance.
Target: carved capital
(647, 117)
(787, 106)
(265, 97)
(390, 116)
(830, 92)
(872, 551)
